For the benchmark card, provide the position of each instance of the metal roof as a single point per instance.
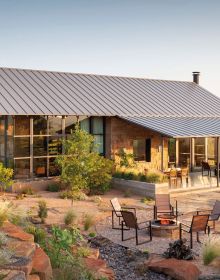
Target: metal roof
(178, 127)
(31, 92)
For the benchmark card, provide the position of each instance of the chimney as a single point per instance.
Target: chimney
(196, 77)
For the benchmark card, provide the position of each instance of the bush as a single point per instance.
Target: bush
(54, 187)
(211, 249)
(88, 221)
(9, 211)
(28, 191)
(42, 210)
(38, 233)
(70, 217)
(74, 195)
(83, 252)
(179, 250)
(146, 199)
(6, 175)
(151, 177)
(92, 234)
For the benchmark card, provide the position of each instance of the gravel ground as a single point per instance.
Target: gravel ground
(127, 264)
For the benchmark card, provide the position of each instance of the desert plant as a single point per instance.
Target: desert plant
(92, 234)
(179, 250)
(70, 217)
(146, 199)
(126, 159)
(42, 210)
(11, 212)
(38, 233)
(81, 166)
(28, 191)
(53, 187)
(211, 249)
(6, 175)
(88, 221)
(73, 195)
(83, 251)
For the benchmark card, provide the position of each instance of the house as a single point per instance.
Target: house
(161, 122)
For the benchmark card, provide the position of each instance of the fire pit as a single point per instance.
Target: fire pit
(165, 227)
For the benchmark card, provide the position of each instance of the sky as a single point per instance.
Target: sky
(161, 39)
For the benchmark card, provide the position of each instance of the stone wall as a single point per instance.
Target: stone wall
(121, 133)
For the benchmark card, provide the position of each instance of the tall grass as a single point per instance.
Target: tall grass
(211, 249)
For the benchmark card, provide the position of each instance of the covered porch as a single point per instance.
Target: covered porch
(191, 141)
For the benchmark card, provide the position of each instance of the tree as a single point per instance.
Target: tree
(6, 175)
(81, 166)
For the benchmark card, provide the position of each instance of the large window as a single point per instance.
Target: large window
(212, 150)
(172, 150)
(184, 152)
(30, 145)
(142, 150)
(199, 148)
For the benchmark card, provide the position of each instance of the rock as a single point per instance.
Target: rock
(15, 275)
(22, 248)
(23, 264)
(41, 265)
(16, 232)
(99, 268)
(94, 264)
(177, 269)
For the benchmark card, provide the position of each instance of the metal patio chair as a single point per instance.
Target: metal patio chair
(214, 213)
(199, 223)
(130, 222)
(163, 206)
(206, 167)
(116, 212)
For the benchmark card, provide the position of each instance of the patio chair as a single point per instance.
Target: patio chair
(183, 174)
(163, 206)
(214, 213)
(199, 223)
(206, 167)
(172, 178)
(116, 211)
(130, 222)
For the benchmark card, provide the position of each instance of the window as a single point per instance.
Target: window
(172, 150)
(142, 149)
(22, 147)
(199, 151)
(55, 125)
(97, 130)
(184, 152)
(40, 125)
(22, 125)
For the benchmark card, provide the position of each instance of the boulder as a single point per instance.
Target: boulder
(15, 275)
(41, 265)
(177, 269)
(99, 268)
(16, 232)
(33, 277)
(22, 248)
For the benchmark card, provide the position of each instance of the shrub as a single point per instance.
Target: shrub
(9, 211)
(88, 221)
(38, 233)
(53, 187)
(146, 199)
(211, 249)
(83, 252)
(70, 217)
(6, 175)
(28, 191)
(42, 210)
(179, 250)
(74, 195)
(153, 178)
(81, 166)
(92, 234)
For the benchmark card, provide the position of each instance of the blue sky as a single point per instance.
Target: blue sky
(164, 39)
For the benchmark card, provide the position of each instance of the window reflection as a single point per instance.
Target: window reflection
(22, 168)
(53, 168)
(40, 167)
(199, 151)
(22, 147)
(22, 125)
(55, 125)
(2, 125)
(40, 125)
(40, 146)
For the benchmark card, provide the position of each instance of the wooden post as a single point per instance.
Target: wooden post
(218, 138)
(162, 154)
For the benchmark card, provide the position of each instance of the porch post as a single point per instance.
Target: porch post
(177, 152)
(162, 154)
(192, 153)
(218, 160)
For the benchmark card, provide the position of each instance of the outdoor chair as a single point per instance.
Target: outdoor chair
(116, 212)
(199, 223)
(214, 213)
(163, 206)
(172, 178)
(183, 174)
(130, 222)
(206, 167)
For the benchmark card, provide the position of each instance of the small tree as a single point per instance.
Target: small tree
(81, 166)
(6, 175)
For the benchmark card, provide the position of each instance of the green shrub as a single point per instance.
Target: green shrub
(128, 176)
(88, 221)
(92, 234)
(6, 175)
(83, 252)
(38, 233)
(74, 195)
(211, 249)
(142, 178)
(70, 217)
(146, 199)
(53, 187)
(153, 178)
(42, 210)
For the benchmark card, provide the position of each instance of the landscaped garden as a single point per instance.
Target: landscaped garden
(65, 232)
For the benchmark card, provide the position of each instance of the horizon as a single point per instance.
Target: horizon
(141, 39)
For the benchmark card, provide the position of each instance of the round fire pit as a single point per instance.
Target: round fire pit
(165, 228)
